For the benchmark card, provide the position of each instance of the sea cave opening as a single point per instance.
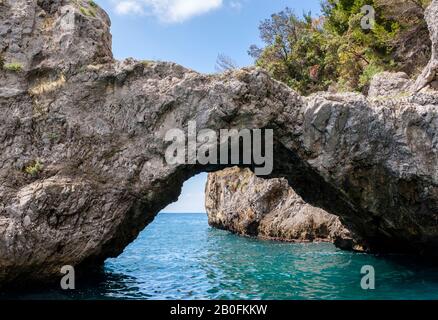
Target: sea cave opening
(179, 256)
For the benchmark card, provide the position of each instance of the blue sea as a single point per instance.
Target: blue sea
(179, 256)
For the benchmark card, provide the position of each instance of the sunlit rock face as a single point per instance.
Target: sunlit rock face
(82, 162)
(238, 201)
(388, 84)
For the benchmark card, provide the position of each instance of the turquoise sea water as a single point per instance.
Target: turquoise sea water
(179, 256)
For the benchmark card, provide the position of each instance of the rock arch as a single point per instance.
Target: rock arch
(82, 168)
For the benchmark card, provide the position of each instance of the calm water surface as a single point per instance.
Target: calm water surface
(179, 256)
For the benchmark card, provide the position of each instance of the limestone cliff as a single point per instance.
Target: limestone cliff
(82, 167)
(238, 201)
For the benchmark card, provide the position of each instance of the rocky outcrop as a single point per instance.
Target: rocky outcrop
(238, 201)
(387, 84)
(82, 161)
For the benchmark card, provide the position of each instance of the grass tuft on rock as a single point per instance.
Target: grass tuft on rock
(34, 169)
(92, 3)
(46, 86)
(89, 12)
(13, 67)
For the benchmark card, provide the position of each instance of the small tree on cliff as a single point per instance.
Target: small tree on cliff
(295, 51)
(225, 63)
(310, 54)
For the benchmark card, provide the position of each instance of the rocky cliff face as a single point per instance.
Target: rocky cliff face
(82, 167)
(238, 201)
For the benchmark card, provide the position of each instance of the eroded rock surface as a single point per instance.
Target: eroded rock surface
(238, 201)
(387, 84)
(82, 167)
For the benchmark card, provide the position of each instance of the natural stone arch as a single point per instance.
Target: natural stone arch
(89, 130)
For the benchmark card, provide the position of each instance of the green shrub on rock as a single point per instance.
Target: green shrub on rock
(13, 67)
(34, 169)
(314, 53)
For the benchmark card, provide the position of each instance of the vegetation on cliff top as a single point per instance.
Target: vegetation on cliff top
(334, 50)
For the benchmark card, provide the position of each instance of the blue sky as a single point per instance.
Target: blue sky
(164, 30)
(192, 33)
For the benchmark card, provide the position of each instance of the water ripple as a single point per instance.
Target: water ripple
(179, 257)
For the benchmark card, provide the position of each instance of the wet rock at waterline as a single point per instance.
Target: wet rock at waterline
(238, 201)
(82, 167)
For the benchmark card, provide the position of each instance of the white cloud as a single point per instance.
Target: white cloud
(128, 7)
(170, 11)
